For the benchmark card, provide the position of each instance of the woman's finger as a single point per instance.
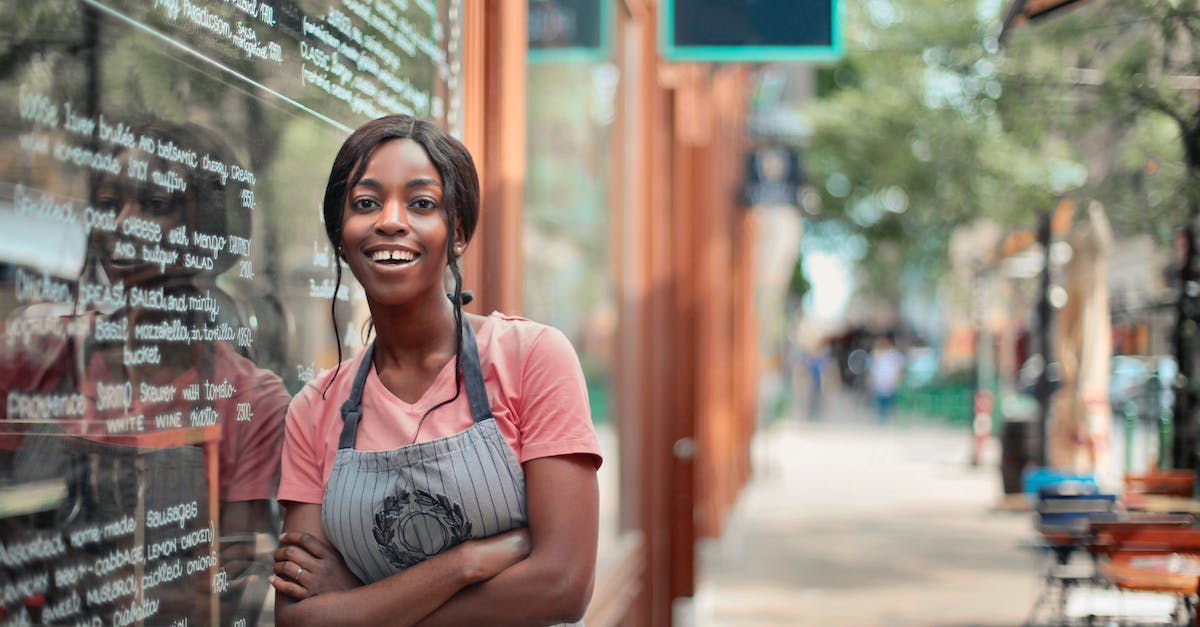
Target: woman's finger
(291, 571)
(295, 553)
(290, 589)
(315, 546)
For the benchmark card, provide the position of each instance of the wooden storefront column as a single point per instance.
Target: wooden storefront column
(494, 50)
(655, 489)
(723, 445)
(684, 396)
(678, 229)
(745, 366)
(744, 362)
(706, 271)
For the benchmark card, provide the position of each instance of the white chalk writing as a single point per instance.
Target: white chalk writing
(33, 288)
(44, 406)
(41, 547)
(181, 514)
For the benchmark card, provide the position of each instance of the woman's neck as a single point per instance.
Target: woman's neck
(407, 335)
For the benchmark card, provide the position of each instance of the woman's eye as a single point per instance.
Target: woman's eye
(158, 205)
(363, 203)
(106, 203)
(424, 203)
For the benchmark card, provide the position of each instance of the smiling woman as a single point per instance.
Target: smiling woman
(408, 500)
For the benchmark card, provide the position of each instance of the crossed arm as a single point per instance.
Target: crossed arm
(539, 577)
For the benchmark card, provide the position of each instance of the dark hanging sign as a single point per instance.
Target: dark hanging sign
(771, 175)
(563, 31)
(750, 30)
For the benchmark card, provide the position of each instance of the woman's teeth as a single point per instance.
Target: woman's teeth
(393, 255)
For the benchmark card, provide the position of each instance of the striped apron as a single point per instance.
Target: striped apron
(388, 510)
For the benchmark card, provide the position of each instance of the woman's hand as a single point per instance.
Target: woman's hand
(306, 566)
(488, 557)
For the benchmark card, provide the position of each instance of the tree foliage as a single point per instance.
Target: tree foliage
(907, 142)
(1118, 80)
(929, 123)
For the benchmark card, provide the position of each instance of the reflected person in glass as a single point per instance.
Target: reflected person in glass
(447, 473)
(144, 442)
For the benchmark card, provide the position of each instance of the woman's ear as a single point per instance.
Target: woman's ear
(460, 242)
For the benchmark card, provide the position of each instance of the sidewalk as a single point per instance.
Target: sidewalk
(848, 523)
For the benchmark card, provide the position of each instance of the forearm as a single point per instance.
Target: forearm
(401, 600)
(531, 592)
(554, 584)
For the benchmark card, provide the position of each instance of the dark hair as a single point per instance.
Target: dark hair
(460, 201)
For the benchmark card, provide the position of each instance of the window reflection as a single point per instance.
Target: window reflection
(139, 418)
(571, 113)
(165, 282)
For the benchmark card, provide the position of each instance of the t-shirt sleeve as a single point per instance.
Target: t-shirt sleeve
(301, 479)
(554, 417)
(251, 462)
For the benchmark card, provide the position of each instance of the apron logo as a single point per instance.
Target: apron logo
(411, 527)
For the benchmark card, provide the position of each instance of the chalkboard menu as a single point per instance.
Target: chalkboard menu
(166, 284)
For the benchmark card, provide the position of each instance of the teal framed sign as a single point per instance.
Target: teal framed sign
(750, 30)
(570, 31)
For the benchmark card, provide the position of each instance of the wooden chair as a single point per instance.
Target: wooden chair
(1064, 521)
(1161, 482)
(1161, 557)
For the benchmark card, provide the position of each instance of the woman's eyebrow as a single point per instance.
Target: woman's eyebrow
(423, 181)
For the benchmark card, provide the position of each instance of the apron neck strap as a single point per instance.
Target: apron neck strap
(352, 407)
(472, 371)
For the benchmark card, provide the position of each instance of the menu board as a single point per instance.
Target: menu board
(166, 284)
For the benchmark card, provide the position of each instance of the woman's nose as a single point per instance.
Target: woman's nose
(393, 218)
(129, 208)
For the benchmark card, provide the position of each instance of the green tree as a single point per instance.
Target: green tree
(1118, 81)
(929, 123)
(907, 141)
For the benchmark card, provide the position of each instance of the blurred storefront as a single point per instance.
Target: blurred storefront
(632, 187)
(148, 409)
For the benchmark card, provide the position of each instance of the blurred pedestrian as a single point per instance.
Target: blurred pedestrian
(815, 362)
(884, 375)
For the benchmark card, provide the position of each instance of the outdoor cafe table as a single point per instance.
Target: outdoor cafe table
(1150, 552)
(1162, 504)
(1175, 573)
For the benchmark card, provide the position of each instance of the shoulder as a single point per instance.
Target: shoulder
(516, 338)
(326, 390)
(242, 369)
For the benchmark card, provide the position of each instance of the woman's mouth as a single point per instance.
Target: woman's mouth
(393, 257)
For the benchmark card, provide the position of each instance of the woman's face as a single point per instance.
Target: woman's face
(138, 249)
(393, 228)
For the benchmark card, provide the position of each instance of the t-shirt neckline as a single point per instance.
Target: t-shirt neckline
(443, 381)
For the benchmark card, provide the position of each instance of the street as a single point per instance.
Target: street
(849, 523)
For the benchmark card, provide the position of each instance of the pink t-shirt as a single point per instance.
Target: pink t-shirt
(533, 379)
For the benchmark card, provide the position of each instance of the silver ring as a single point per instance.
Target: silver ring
(299, 571)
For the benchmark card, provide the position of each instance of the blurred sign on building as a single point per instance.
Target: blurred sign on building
(760, 31)
(771, 176)
(563, 31)
(1022, 11)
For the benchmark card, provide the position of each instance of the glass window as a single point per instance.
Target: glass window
(572, 102)
(166, 282)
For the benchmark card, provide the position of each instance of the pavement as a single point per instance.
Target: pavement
(845, 522)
